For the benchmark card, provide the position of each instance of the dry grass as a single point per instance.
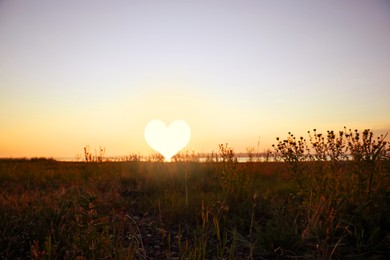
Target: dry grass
(311, 204)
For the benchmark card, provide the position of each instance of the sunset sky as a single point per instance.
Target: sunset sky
(80, 72)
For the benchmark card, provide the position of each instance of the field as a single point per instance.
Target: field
(298, 206)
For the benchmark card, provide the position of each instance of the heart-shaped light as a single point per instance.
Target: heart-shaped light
(167, 140)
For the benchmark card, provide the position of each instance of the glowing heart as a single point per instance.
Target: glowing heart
(167, 140)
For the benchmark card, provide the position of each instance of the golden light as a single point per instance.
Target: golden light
(168, 141)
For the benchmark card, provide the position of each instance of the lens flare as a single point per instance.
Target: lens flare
(168, 141)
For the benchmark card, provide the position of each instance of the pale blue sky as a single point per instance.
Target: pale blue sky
(95, 72)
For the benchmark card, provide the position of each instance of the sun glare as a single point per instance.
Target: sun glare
(168, 141)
